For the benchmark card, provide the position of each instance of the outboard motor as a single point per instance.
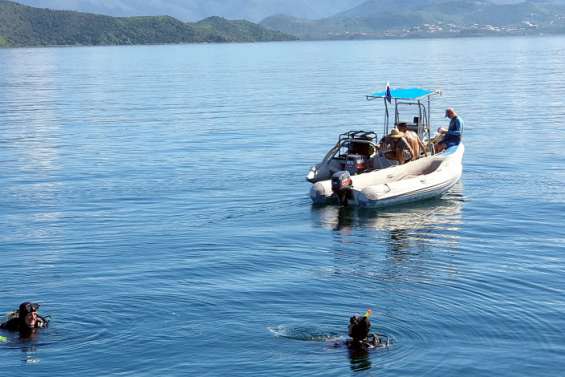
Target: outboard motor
(355, 163)
(341, 187)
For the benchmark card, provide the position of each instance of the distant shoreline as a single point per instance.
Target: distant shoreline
(148, 44)
(431, 36)
(423, 37)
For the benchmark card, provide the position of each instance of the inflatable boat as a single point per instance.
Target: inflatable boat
(361, 172)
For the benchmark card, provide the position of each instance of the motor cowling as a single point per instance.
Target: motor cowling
(341, 187)
(341, 181)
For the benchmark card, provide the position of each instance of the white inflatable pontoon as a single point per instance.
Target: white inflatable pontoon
(424, 178)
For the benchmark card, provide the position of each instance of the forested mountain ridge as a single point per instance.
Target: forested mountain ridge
(425, 18)
(22, 25)
(27, 26)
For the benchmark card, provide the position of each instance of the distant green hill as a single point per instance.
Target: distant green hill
(418, 18)
(223, 30)
(27, 26)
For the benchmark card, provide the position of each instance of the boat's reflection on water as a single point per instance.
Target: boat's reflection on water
(430, 214)
(404, 231)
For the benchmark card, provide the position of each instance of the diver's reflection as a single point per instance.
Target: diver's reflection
(28, 346)
(359, 359)
(29, 350)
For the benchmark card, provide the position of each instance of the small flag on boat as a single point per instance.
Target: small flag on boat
(368, 313)
(388, 95)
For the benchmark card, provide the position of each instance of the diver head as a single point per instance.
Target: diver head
(27, 307)
(28, 317)
(359, 327)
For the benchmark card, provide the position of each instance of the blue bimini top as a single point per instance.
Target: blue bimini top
(405, 93)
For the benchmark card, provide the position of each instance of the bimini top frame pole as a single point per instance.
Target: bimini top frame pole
(408, 96)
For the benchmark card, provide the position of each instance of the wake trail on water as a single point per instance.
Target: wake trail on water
(305, 333)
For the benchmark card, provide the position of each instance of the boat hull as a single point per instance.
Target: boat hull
(426, 178)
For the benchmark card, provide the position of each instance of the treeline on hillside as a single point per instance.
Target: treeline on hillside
(22, 26)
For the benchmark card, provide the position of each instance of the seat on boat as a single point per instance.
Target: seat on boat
(362, 148)
(412, 126)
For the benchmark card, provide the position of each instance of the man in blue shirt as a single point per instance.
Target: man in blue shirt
(453, 133)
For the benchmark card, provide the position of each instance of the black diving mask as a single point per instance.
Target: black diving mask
(31, 307)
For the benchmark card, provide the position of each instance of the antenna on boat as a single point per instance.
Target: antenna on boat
(385, 126)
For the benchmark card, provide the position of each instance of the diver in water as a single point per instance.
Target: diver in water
(25, 320)
(361, 338)
(362, 341)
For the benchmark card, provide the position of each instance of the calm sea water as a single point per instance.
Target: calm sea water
(153, 200)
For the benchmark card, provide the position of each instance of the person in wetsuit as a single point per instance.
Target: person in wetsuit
(359, 331)
(25, 320)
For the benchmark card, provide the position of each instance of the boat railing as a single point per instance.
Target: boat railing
(359, 135)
